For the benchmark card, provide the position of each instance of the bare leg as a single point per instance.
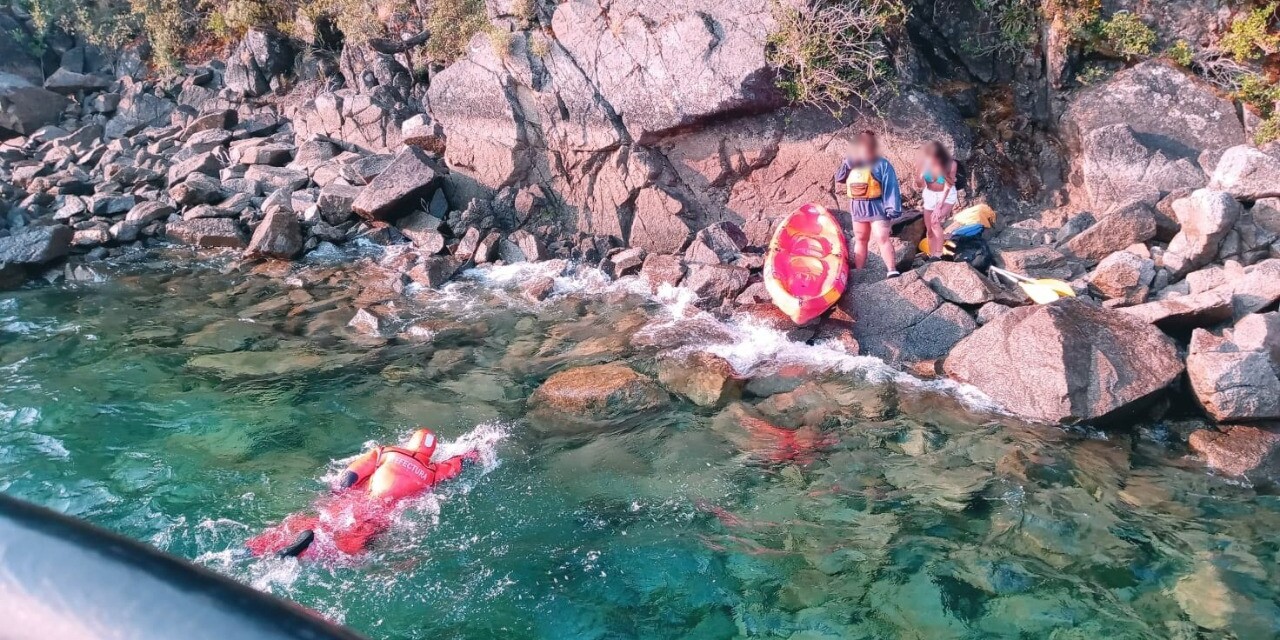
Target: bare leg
(933, 228)
(861, 237)
(882, 230)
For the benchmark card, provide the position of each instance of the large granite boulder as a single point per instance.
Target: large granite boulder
(1124, 277)
(663, 64)
(359, 120)
(37, 246)
(278, 236)
(1234, 382)
(1247, 174)
(595, 397)
(1066, 362)
(1205, 218)
(1116, 165)
(902, 320)
(410, 177)
(960, 283)
(207, 233)
(260, 56)
(24, 107)
(1122, 226)
(1165, 106)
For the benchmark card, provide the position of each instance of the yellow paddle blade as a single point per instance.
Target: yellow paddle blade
(1063, 289)
(1038, 293)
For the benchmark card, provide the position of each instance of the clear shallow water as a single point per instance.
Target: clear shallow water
(190, 408)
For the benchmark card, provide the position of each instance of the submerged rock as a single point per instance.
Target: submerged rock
(587, 398)
(255, 364)
(705, 379)
(1066, 361)
(1239, 450)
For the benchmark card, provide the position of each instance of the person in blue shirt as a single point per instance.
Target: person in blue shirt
(875, 199)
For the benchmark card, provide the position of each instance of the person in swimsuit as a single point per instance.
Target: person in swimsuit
(936, 181)
(875, 199)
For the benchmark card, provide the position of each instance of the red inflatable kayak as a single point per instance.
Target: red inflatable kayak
(806, 271)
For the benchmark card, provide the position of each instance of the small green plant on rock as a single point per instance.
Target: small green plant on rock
(1250, 36)
(452, 24)
(1127, 35)
(1268, 130)
(1016, 22)
(1180, 52)
(1092, 74)
(830, 53)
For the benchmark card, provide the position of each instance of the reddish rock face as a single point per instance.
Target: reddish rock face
(1239, 450)
(589, 398)
(1066, 362)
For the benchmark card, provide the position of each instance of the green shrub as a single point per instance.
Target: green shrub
(1181, 53)
(1016, 22)
(106, 23)
(1268, 130)
(1258, 92)
(829, 53)
(1092, 74)
(166, 26)
(1127, 36)
(452, 24)
(1248, 37)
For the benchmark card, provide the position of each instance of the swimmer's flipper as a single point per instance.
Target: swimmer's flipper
(300, 544)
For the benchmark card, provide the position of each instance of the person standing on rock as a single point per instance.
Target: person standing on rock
(936, 180)
(875, 199)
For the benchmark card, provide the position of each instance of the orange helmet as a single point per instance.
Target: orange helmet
(422, 443)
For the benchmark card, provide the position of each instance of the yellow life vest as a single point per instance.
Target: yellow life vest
(861, 185)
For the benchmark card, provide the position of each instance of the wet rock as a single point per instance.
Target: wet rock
(1182, 313)
(278, 236)
(662, 269)
(1124, 277)
(522, 246)
(424, 231)
(410, 177)
(1219, 599)
(1247, 174)
(11, 275)
(487, 248)
(1066, 361)
(587, 398)
(538, 289)
(626, 262)
(714, 284)
(366, 322)
(959, 282)
(434, 271)
(206, 233)
(125, 231)
(1125, 225)
(705, 379)
(771, 317)
(1239, 450)
(37, 246)
(1206, 217)
(903, 320)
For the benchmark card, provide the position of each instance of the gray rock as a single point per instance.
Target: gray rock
(657, 225)
(1116, 165)
(1257, 289)
(662, 269)
(1259, 332)
(125, 231)
(362, 171)
(273, 154)
(1232, 384)
(720, 243)
(335, 202)
(991, 311)
(408, 179)
(206, 163)
(273, 178)
(90, 237)
(1205, 216)
(25, 108)
(148, 211)
(198, 188)
(434, 271)
(111, 205)
(522, 246)
(206, 141)
(1247, 174)
(313, 153)
(903, 320)
(1161, 103)
(424, 231)
(224, 119)
(959, 282)
(208, 233)
(1066, 362)
(715, 284)
(37, 246)
(1124, 277)
(278, 236)
(625, 262)
(1181, 313)
(69, 82)
(1127, 224)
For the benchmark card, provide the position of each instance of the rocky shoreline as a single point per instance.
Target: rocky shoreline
(1165, 221)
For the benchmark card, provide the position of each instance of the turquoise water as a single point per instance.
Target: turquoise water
(192, 407)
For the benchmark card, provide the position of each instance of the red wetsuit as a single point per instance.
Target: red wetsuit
(375, 484)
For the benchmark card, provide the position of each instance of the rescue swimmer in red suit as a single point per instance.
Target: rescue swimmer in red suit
(366, 497)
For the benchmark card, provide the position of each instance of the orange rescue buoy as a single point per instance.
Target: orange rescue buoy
(805, 271)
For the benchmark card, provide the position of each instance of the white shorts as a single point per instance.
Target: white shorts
(932, 198)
